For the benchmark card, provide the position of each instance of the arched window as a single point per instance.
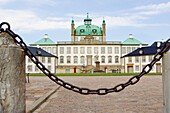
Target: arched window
(103, 59)
(109, 59)
(82, 60)
(68, 59)
(116, 59)
(75, 59)
(61, 59)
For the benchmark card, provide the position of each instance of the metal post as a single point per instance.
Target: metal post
(28, 77)
(12, 76)
(166, 82)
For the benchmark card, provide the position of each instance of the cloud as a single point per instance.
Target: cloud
(27, 20)
(153, 9)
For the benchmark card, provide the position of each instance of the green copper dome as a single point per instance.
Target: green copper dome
(88, 28)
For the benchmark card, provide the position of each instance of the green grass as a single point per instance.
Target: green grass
(98, 74)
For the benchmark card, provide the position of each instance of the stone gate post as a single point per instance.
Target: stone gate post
(166, 82)
(12, 76)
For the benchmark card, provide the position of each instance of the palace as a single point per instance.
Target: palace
(89, 51)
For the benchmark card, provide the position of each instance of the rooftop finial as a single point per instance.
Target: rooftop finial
(104, 21)
(130, 36)
(87, 15)
(72, 22)
(46, 36)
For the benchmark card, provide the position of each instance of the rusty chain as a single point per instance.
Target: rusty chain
(101, 91)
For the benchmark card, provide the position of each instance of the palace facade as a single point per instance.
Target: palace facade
(89, 51)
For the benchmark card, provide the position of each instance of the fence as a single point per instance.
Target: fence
(13, 80)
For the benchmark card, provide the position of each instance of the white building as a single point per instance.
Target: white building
(88, 44)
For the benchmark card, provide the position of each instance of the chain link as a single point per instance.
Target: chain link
(85, 91)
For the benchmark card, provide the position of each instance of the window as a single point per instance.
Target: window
(89, 50)
(128, 49)
(82, 60)
(75, 50)
(109, 59)
(103, 59)
(61, 50)
(143, 58)
(68, 59)
(43, 59)
(136, 67)
(96, 58)
(61, 59)
(29, 67)
(143, 66)
(95, 50)
(36, 68)
(150, 58)
(133, 48)
(102, 50)
(49, 60)
(110, 50)
(123, 50)
(116, 59)
(82, 50)
(94, 30)
(75, 59)
(116, 50)
(68, 50)
(54, 50)
(130, 59)
(137, 59)
(81, 30)
(49, 49)
(44, 48)
(49, 68)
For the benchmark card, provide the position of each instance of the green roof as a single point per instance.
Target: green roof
(45, 41)
(88, 30)
(132, 41)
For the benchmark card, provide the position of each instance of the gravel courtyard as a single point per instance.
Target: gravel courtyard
(144, 97)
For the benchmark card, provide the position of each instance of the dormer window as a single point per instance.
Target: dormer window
(94, 30)
(81, 30)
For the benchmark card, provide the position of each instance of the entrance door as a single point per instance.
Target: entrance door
(158, 68)
(130, 69)
(89, 60)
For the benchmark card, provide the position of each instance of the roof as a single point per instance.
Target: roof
(150, 50)
(132, 41)
(88, 30)
(40, 52)
(45, 41)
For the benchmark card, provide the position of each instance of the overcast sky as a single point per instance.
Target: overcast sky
(147, 20)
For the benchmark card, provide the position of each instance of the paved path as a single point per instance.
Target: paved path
(144, 97)
(37, 87)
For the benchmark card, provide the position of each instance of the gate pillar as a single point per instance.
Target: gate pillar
(12, 76)
(166, 82)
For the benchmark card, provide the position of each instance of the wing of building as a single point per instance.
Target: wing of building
(89, 51)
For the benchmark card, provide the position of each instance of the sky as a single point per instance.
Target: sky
(147, 20)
